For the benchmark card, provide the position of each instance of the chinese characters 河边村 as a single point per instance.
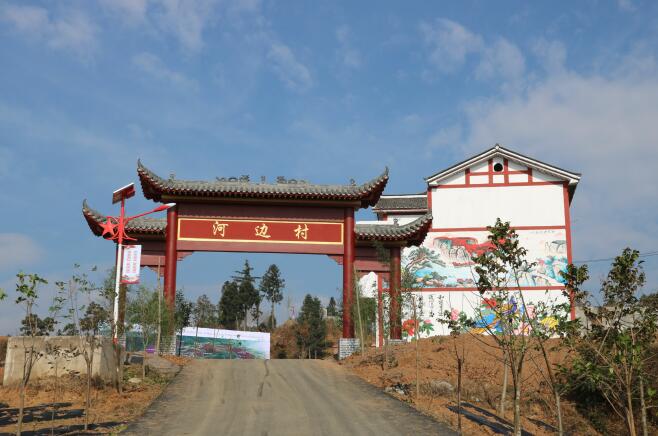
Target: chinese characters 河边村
(262, 231)
(301, 232)
(219, 229)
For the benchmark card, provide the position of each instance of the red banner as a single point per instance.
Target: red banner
(267, 231)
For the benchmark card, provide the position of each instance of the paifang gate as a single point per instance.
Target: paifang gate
(289, 216)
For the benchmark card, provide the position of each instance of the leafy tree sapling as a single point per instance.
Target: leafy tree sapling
(27, 289)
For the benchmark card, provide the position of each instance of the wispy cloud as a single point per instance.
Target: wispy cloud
(155, 67)
(18, 250)
(626, 5)
(70, 30)
(600, 124)
(186, 20)
(292, 73)
(347, 54)
(450, 44)
(130, 11)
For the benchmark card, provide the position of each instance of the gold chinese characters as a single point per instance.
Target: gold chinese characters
(219, 229)
(262, 231)
(301, 232)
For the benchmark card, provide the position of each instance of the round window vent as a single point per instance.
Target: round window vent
(498, 167)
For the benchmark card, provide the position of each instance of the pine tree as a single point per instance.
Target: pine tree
(230, 307)
(271, 286)
(331, 308)
(312, 330)
(249, 296)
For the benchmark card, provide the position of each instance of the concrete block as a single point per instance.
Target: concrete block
(61, 350)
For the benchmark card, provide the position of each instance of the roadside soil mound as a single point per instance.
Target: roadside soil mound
(59, 404)
(482, 380)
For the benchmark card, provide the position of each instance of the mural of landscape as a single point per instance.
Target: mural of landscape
(224, 344)
(451, 253)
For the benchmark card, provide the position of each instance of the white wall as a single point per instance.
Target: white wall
(539, 205)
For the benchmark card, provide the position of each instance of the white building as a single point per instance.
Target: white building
(466, 198)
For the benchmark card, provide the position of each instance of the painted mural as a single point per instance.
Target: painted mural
(224, 344)
(451, 266)
(432, 305)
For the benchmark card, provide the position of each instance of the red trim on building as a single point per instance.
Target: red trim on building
(484, 229)
(567, 223)
(498, 185)
(530, 179)
(467, 176)
(506, 171)
(490, 174)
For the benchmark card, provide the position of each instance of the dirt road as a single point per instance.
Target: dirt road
(277, 397)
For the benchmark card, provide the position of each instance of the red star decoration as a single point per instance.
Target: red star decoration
(109, 228)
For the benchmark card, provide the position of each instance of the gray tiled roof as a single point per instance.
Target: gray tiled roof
(401, 203)
(416, 230)
(413, 231)
(155, 187)
(143, 225)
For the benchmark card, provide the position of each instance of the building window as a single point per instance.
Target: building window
(498, 167)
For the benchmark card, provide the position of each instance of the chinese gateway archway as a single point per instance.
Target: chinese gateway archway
(236, 215)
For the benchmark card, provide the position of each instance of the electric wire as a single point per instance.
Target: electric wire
(610, 259)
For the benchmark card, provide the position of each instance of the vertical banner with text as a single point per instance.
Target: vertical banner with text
(131, 264)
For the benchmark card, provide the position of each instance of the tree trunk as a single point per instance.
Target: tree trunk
(21, 408)
(517, 407)
(558, 406)
(358, 311)
(417, 355)
(503, 393)
(630, 419)
(88, 394)
(643, 406)
(272, 318)
(157, 342)
(144, 359)
(459, 393)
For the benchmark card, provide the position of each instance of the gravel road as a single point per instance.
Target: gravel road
(277, 397)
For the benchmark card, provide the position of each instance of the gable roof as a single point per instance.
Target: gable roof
(154, 187)
(568, 176)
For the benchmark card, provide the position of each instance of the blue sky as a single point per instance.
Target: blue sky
(320, 91)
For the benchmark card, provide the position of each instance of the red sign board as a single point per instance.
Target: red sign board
(266, 231)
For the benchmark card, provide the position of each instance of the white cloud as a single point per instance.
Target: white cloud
(71, 30)
(551, 54)
(626, 5)
(131, 11)
(347, 54)
(501, 59)
(18, 250)
(449, 44)
(601, 125)
(153, 65)
(292, 72)
(186, 20)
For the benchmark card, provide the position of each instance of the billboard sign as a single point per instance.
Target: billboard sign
(224, 344)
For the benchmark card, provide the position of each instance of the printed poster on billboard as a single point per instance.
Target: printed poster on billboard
(210, 343)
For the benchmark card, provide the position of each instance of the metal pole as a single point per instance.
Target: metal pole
(117, 282)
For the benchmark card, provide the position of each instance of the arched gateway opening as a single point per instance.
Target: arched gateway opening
(289, 216)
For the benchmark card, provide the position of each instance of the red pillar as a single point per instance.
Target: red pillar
(348, 273)
(170, 257)
(394, 289)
